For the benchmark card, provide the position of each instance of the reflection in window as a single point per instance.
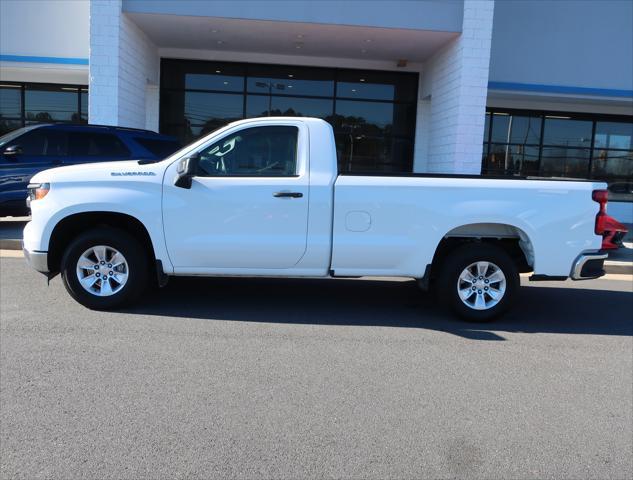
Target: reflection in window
(377, 129)
(566, 132)
(199, 81)
(262, 106)
(517, 129)
(253, 152)
(565, 162)
(614, 135)
(30, 103)
(51, 104)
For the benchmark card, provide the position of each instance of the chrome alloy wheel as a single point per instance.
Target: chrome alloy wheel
(102, 271)
(481, 285)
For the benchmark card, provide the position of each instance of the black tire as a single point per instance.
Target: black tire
(128, 246)
(461, 258)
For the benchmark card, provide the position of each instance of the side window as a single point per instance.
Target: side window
(89, 144)
(42, 142)
(252, 152)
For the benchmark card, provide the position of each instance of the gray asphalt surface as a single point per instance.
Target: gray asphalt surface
(310, 379)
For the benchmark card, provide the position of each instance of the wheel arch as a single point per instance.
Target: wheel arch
(514, 240)
(72, 225)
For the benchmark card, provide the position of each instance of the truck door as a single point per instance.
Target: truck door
(247, 208)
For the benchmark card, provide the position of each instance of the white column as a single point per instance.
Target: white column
(123, 63)
(456, 83)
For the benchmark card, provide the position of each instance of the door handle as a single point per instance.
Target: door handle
(287, 194)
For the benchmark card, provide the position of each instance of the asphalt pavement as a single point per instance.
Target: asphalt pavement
(248, 378)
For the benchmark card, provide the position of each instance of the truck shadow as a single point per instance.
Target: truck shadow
(386, 304)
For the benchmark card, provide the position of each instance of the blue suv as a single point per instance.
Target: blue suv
(29, 150)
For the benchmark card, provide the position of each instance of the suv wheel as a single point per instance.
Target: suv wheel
(104, 268)
(479, 282)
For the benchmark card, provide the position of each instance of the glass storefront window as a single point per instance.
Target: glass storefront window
(29, 103)
(572, 145)
(51, 104)
(519, 129)
(614, 135)
(372, 113)
(566, 132)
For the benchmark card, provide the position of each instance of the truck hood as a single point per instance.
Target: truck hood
(112, 171)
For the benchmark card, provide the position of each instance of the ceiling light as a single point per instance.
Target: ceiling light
(289, 86)
(220, 42)
(363, 51)
(298, 44)
(362, 79)
(300, 36)
(368, 40)
(353, 89)
(213, 30)
(290, 75)
(226, 83)
(218, 71)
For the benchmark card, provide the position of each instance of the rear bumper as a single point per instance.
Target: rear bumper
(588, 265)
(37, 260)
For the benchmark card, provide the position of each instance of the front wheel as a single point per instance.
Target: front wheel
(104, 268)
(478, 281)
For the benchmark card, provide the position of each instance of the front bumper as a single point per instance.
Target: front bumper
(588, 265)
(37, 260)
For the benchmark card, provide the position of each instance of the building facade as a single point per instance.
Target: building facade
(524, 87)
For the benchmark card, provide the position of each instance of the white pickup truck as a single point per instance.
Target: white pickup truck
(262, 197)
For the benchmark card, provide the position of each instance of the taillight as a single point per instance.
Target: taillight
(606, 226)
(602, 197)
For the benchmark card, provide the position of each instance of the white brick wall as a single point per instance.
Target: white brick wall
(456, 79)
(124, 66)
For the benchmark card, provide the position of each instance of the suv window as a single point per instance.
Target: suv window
(252, 152)
(42, 142)
(91, 144)
(158, 147)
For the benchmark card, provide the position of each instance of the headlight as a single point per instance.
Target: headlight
(37, 191)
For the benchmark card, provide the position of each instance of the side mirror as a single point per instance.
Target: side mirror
(187, 169)
(12, 152)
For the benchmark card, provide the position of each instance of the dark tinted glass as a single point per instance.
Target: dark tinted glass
(613, 164)
(376, 86)
(199, 75)
(84, 104)
(614, 135)
(257, 106)
(90, 144)
(290, 81)
(259, 151)
(51, 104)
(370, 118)
(213, 109)
(565, 162)
(42, 141)
(159, 148)
(513, 160)
(567, 132)
(204, 81)
(7, 125)
(516, 129)
(10, 102)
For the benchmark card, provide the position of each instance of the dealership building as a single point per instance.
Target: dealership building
(511, 88)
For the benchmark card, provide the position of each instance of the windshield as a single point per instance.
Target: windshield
(4, 139)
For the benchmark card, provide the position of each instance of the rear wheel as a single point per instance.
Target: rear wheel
(478, 281)
(104, 268)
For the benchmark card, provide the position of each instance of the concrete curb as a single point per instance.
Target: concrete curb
(10, 244)
(622, 268)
